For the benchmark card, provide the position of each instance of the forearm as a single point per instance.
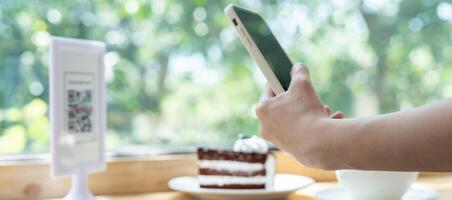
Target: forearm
(416, 139)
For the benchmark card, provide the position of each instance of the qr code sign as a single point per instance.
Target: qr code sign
(80, 111)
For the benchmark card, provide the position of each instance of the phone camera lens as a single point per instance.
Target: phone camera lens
(234, 21)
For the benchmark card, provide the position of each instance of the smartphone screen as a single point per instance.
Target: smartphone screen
(267, 44)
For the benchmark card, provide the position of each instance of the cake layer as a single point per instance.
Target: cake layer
(214, 154)
(231, 180)
(228, 169)
(229, 165)
(206, 171)
(235, 186)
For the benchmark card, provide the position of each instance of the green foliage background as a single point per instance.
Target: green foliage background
(178, 75)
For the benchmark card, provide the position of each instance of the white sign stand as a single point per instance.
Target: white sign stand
(77, 112)
(79, 187)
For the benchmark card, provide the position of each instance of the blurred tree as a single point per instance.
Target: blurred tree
(178, 75)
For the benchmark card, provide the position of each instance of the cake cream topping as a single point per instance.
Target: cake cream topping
(252, 144)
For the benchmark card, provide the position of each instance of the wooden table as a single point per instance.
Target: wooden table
(440, 182)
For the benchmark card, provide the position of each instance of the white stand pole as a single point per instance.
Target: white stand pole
(79, 187)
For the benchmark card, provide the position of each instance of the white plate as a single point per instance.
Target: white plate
(414, 193)
(283, 185)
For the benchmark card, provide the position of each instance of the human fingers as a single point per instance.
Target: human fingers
(267, 93)
(327, 110)
(337, 115)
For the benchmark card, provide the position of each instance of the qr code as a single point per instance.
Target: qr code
(80, 111)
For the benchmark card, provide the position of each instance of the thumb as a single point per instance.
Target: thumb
(300, 79)
(299, 69)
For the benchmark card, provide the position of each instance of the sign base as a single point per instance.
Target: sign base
(79, 187)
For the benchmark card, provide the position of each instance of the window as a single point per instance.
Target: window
(178, 76)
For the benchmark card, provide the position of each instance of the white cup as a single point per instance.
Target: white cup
(373, 185)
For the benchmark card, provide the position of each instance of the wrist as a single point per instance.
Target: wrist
(351, 140)
(336, 146)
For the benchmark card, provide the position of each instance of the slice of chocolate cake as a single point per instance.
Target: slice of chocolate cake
(249, 166)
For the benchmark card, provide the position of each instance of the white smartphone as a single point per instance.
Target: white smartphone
(263, 46)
